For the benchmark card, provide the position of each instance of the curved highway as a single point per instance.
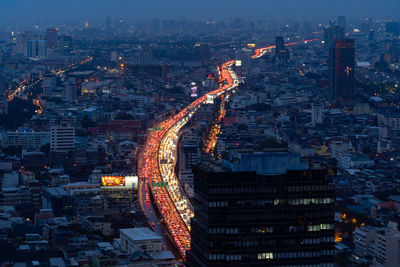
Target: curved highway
(159, 159)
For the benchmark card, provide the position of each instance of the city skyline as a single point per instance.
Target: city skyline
(57, 12)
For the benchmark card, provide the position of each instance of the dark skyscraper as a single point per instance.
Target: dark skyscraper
(282, 54)
(332, 33)
(280, 43)
(108, 24)
(371, 35)
(52, 38)
(262, 209)
(342, 22)
(341, 69)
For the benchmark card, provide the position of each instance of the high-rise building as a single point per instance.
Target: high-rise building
(393, 27)
(204, 52)
(317, 114)
(66, 43)
(387, 246)
(49, 85)
(380, 247)
(71, 91)
(62, 138)
(22, 40)
(52, 38)
(341, 69)
(371, 35)
(107, 24)
(332, 33)
(3, 85)
(279, 43)
(37, 48)
(145, 56)
(282, 54)
(342, 22)
(262, 209)
(306, 27)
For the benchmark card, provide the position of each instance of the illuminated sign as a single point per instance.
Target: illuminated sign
(251, 45)
(193, 83)
(194, 89)
(238, 63)
(119, 182)
(210, 77)
(159, 184)
(113, 181)
(193, 94)
(210, 99)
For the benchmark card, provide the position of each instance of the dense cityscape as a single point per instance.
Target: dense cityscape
(185, 142)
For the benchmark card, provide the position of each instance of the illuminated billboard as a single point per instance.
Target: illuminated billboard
(113, 180)
(251, 45)
(210, 77)
(210, 99)
(238, 63)
(119, 182)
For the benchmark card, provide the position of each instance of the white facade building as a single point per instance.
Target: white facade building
(317, 114)
(62, 138)
(140, 239)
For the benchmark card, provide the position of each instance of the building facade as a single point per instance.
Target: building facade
(341, 69)
(62, 138)
(262, 216)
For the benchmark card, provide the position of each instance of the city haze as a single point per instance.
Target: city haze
(28, 12)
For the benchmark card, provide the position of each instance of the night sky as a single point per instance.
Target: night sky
(58, 11)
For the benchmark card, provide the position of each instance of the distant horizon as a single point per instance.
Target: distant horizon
(56, 12)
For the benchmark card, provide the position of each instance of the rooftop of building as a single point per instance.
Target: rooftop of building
(140, 234)
(267, 162)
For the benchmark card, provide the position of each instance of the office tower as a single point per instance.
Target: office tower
(342, 22)
(145, 56)
(317, 114)
(49, 85)
(306, 27)
(244, 55)
(156, 25)
(66, 43)
(378, 246)
(387, 246)
(52, 38)
(3, 106)
(332, 33)
(365, 27)
(107, 24)
(37, 49)
(341, 69)
(71, 90)
(393, 27)
(3, 85)
(204, 52)
(282, 54)
(188, 156)
(262, 209)
(279, 43)
(371, 35)
(62, 138)
(22, 40)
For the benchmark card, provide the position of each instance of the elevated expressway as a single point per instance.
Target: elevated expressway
(159, 158)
